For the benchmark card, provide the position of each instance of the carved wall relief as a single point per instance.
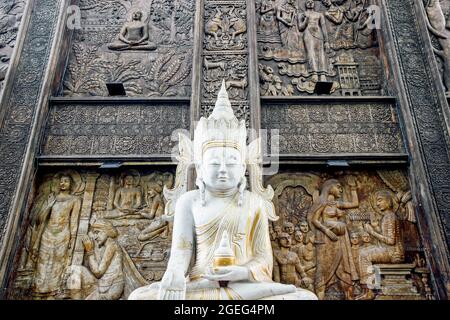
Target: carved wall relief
(326, 128)
(437, 14)
(345, 234)
(10, 17)
(304, 42)
(110, 129)
(146, 45)
(94, 236)
(225, 55)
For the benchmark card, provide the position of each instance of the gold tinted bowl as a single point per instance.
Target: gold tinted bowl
(223, 261)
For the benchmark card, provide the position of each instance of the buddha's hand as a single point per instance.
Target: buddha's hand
(231, 273)
(173, 286)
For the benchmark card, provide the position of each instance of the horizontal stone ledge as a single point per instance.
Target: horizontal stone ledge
(98, 161)
(117, 100)
(338, 99)
(352, 159)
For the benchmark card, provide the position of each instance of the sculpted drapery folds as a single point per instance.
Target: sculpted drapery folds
(54, 234)
(333, 251)
(315, 37)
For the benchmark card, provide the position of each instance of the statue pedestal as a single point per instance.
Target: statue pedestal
(395, 282)
(301, 294)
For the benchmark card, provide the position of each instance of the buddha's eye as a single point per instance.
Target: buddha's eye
(214, 162)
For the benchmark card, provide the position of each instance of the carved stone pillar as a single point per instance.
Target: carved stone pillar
(424, 113)
(85, 216)
(24, 104)
(225, 55)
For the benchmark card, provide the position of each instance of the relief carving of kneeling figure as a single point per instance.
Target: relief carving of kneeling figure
(221, 206)
(104, 280)
(390, 238)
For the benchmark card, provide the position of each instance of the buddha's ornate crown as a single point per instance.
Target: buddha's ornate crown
(221, 129)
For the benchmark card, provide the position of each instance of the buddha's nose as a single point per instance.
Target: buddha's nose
(222, 168)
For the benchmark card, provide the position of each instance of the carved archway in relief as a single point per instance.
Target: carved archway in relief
(298, 191)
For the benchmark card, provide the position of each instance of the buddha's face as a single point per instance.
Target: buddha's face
(128, 180)
(64, 183)
(137, 16)
(309, 4)
(383, 203)
(222, 168)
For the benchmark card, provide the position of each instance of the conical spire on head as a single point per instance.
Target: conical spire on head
(222, 128)
(222, 109)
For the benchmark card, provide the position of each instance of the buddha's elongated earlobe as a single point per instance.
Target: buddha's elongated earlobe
(201, 185)
(242, 186)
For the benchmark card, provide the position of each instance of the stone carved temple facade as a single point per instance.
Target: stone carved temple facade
(349, 96)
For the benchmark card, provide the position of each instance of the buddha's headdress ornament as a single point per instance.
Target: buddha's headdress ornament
(220, 129)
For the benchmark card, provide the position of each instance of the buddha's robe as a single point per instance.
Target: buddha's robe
(248, 229)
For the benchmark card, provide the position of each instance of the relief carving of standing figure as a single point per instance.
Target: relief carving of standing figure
(268, 30)
(287, 265)
(56, 231)
(439, 26)
(333, 250)
(315, 37)
(287, 17)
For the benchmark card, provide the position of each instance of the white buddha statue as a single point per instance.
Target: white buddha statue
(221, 210)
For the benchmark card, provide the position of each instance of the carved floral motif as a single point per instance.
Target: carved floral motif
(11, 12)
(151, 54)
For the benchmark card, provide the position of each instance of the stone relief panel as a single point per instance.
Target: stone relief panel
(350, 235)
(11, 12)
(94, 236)
(145, 45)
(113, 129)
(437, 15)
(307, 43)
(225, 55)
(99, 235)
(318, 128)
